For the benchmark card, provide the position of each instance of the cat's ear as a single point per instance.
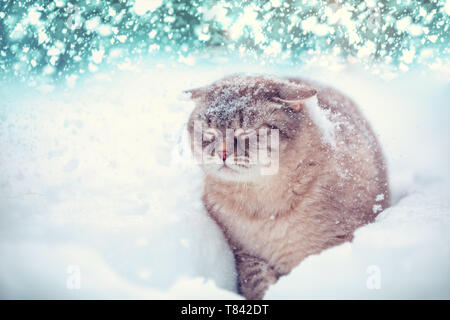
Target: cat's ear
(196, 93)
(292, 95)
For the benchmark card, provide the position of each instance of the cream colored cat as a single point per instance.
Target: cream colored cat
(329, 178)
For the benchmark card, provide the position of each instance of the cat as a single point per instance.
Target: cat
(330, 175)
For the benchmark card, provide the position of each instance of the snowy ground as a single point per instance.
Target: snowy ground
(99, 197)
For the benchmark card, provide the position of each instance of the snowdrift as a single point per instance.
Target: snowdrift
(99, 196)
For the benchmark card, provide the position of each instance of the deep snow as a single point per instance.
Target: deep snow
(96, 180)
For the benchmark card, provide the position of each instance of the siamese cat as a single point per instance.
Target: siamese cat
(291, 168)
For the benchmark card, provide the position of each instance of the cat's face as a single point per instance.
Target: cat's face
(242, 125)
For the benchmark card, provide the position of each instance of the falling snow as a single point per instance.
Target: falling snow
(60, 37)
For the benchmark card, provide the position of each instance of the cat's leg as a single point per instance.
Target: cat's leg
(254, 275)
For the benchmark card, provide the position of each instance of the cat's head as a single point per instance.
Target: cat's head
(242, 125)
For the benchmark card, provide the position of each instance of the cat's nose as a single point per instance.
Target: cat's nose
(223, 154)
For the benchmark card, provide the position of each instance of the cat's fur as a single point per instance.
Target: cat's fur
(325, 188)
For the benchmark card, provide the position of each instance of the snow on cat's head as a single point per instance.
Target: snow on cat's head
(243, 124)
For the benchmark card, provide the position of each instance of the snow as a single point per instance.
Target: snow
(93, 178)
(408, 246)
(99, 197)
(321, 119)
(234, 94)
(141, 7)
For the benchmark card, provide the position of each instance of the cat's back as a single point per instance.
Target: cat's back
(360, 151)
(337, 102)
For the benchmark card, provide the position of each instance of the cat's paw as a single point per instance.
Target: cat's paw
(255, 277)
